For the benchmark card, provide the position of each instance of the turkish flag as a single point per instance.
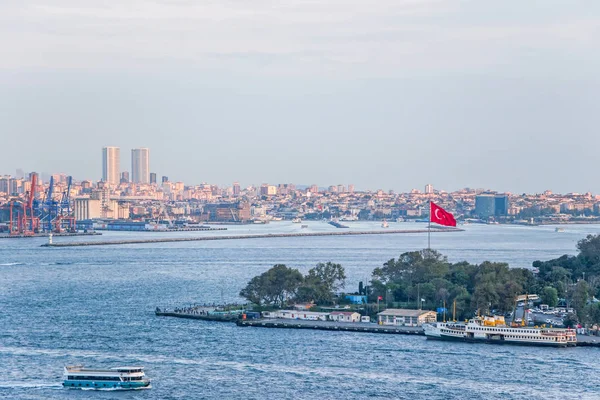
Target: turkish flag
(440, 216)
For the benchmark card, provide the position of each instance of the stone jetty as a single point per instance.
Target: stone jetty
(258, 236)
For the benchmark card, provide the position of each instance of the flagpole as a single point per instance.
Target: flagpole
(429, 229)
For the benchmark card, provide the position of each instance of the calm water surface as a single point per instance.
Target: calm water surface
(94, 306)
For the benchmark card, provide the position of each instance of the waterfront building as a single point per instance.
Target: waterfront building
(140, 165)
(345, 316)
(357, 298)
(111, 165)
(485, 205)
(297, 314)
(227, 212)
(406, 317)
(86, 208)
(501, 205)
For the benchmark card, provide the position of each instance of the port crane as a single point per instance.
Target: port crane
(56, 215)
(22, 220)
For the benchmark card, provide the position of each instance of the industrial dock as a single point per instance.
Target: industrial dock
(258, 236)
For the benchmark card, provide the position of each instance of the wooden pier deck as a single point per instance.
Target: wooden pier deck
(257, 236)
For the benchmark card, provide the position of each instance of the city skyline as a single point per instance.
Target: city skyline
(387, 95)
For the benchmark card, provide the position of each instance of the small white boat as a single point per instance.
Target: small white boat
(296, 220)
(559, 229)
(128, 378)
(385, 224)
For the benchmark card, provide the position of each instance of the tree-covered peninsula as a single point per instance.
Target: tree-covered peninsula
(427, 279)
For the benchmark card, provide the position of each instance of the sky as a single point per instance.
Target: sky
(391, 94)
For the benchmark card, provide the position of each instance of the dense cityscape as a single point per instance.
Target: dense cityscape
(140, 197)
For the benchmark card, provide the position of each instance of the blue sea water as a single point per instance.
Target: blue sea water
(95, 306)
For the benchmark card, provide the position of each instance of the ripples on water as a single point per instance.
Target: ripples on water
(95, 305)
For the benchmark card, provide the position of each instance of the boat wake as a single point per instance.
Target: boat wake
(28, 385)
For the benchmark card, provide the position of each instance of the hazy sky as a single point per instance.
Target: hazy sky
(390, 94)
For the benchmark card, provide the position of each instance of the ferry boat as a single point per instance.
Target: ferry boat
(495, 330)
(78, 377)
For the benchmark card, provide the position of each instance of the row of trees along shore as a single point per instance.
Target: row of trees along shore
(489, 287)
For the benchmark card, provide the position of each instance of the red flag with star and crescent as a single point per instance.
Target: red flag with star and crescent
(440, 216)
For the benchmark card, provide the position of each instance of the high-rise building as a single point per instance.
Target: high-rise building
(4, 186)
(350, 188)
(429, 188)
(264, 189)
(152, 177)
(236, 189)
(125, 177)
(111, 165)
(140, 165)
(165, 179)
(501, 205)
(485, 205)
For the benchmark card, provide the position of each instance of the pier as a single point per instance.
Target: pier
(235, 237)
(203, 317)
(364, 327)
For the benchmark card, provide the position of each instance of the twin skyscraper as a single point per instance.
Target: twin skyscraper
(111, 165)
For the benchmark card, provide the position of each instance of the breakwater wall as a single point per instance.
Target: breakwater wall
(363, 327)
(234, 237)
(37, 235)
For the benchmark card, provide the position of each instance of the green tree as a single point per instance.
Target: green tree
(322, 282)
(579, 297)
(571, 320)
(592, 313)
(589, 249)
(274, 286)
(550, 296)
